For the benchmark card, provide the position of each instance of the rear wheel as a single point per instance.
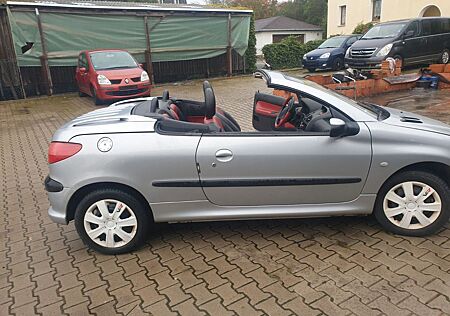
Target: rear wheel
(311, 69)
(111, 221)
(445, 57)
(413, 203)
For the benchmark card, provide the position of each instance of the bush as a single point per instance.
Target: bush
(288, 53)
(362, 28)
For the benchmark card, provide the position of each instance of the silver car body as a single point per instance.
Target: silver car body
(186, 177)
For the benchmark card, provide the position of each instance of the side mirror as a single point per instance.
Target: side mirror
(141, 65)
(409, 34)
(339, 128)
(82, 70)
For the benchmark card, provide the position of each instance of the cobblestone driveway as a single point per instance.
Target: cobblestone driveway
(280, 267)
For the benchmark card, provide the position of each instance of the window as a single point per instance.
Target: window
(376, 10)
(276, 38)
(426, 27)
(414, 26)
(436, 26)
(351, 41)
(445, 25)
(343, 10)
(82, 61)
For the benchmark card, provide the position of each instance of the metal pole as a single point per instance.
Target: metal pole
(148, 52)
(229, 49)
(44, 57)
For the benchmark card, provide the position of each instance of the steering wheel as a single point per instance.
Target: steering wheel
(286, 112)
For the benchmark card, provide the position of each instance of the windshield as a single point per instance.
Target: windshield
(333, 42)
(369, 108)
(384, 31)
(112, 60)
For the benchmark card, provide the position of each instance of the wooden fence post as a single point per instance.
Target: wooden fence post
(44, 58)
(229, 49)
(148, 52)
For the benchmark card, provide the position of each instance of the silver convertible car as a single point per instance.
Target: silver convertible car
(116, 170)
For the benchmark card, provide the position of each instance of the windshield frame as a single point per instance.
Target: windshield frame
(378, 26)
(101, 54)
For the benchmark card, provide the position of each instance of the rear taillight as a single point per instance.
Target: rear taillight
(59, 151)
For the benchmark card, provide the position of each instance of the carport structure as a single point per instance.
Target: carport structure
(174, 42)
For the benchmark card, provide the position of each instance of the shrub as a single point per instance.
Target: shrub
(362, 28)
(288, 53)
(250, 53)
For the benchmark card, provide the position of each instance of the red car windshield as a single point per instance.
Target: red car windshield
(112, 60)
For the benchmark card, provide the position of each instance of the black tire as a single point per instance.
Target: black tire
(338, 63)
(445, 57)
(141, 212)
(439, 185)
(97, 100)
(311, 69)
(81, 94)
(400, 58)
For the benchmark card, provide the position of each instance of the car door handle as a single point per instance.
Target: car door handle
(224, 155)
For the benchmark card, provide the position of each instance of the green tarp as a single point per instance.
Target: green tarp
(172, 37)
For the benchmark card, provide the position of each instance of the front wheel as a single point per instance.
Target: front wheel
(338, 64)
(97, 100)
(311, 69)
(111, 221)
(413, 203)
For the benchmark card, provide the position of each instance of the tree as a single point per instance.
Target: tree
(310, 11)
(261, 8)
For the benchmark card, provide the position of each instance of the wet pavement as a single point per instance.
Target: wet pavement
(331, 266)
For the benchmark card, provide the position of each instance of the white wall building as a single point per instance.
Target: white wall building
(274, 29)
(344, 15)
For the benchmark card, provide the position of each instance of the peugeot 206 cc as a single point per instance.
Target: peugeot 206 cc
(116, 170)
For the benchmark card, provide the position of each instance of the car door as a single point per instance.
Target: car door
(82, 77)
(413, 45)
(284, 168)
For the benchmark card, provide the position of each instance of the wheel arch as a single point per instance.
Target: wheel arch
(83, 191)
(438, 169)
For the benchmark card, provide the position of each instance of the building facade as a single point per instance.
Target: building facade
(275, 29)
(345, 15)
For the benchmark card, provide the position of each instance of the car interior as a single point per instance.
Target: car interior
(271, 113)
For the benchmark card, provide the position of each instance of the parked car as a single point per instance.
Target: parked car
(108, 75)
(416, 41)
(316, 153)
(330, 54)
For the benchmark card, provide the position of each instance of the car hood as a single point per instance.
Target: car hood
(415, 121)
(121, 73)
(116, 118)
(320, 51)
(372, 43)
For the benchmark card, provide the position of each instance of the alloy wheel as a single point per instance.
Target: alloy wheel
(110, 223)
(412, 205)
(445, 57)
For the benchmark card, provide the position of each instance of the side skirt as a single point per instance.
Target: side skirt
(198, 211)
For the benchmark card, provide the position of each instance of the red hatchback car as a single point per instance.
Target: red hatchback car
(109, 75)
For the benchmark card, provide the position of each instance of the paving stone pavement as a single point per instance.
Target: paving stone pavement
(333, 266)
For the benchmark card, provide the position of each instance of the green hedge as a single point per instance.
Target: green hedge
(362, 28)
(288, 53)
